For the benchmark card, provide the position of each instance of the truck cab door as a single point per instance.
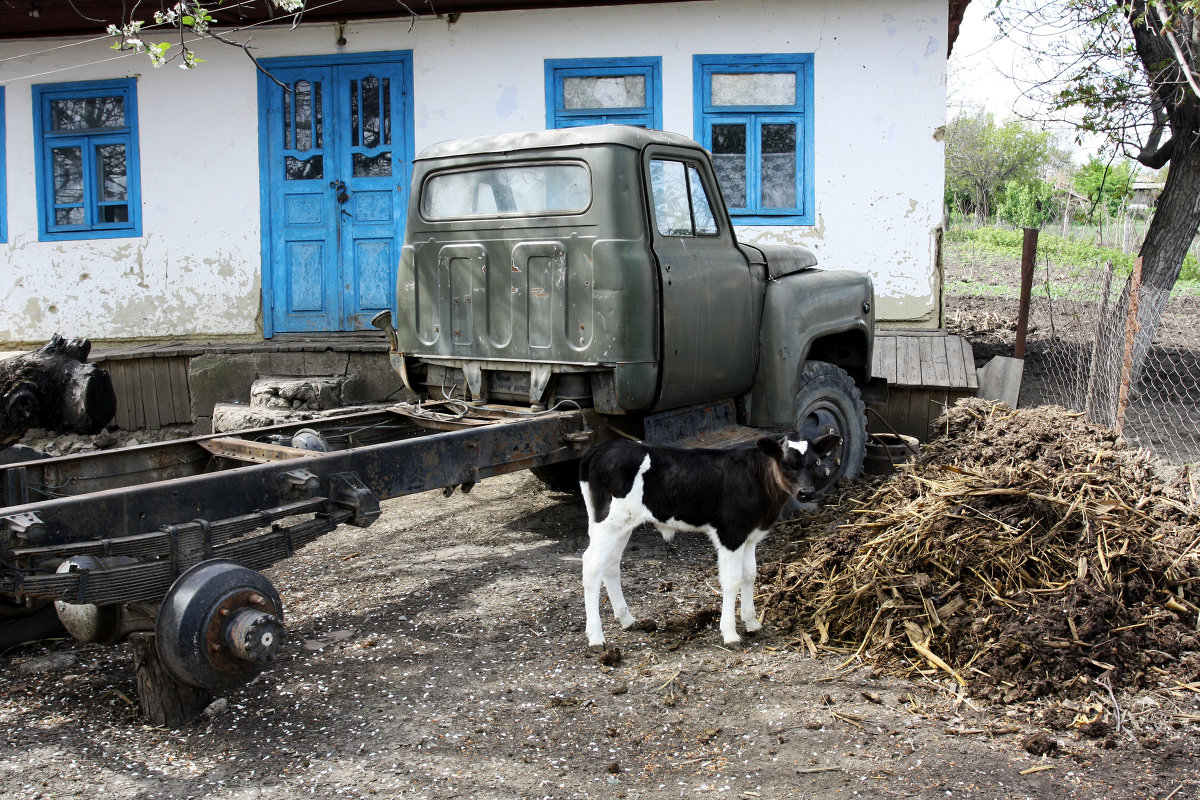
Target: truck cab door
(707, 344)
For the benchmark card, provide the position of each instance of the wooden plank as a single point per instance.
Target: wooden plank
(144, 370)
(941, 367)
(956, 370)
(935, 406)
(885, 358)
(137, 402)
(253, 452)
(181, 390)
(162, 386)
(927, 377)
(126, 417)
(969, 362)
(922, 404)
(900, 412)
(908, 361)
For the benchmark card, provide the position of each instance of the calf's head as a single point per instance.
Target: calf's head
(798, 457)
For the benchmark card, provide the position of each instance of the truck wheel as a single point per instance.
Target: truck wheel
(20, 623)
(562, 476)
(828, 401)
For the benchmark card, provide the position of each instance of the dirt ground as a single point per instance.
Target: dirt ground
(440, 653)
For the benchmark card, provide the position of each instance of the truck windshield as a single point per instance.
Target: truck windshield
(507, 191)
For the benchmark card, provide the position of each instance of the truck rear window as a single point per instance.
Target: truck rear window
(507, 191)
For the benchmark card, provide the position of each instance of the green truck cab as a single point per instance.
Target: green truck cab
(598, 267)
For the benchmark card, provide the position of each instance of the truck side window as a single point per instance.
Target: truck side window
(706, 223)
(681, 205)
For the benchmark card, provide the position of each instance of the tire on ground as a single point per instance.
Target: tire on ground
(20, 623)
(828, 400)
(562, 476)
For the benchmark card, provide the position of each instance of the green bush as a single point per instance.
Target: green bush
(1027, 205)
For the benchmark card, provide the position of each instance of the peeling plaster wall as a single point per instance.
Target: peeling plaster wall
(879, 101)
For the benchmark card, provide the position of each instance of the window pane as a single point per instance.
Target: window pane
(68, 216)
(296, 170)
(754, 89)
(387, 111)
(87, 113)
(379, 166)
(729, 160)
(318, 120)
(617, 91)
(287, 121)
(370, 111)
(669, 187)
(555, 188)
(778, 166)
(354, 124)
(114, 213)
(68, 175)
(111, 160)
(706, 223)
(303, 100)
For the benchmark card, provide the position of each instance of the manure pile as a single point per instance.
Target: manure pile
(1025, 553)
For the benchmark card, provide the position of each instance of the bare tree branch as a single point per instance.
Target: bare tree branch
(1184, 64)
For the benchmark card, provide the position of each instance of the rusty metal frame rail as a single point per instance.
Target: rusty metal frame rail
(148, 581)
(347, 483)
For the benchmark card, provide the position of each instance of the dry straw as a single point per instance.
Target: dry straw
(1022, 550)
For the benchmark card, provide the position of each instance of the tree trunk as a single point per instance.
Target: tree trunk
(1171, 232)
(165, 702)
(53, 388)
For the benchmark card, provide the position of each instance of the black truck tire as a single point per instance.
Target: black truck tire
(828, 401)
(20, 623)
(562, 476)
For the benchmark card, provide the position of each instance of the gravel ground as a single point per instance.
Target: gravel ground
(440, 653)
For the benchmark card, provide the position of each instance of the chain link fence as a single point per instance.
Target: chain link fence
(1143, 378)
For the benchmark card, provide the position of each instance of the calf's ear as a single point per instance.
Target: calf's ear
(770, 447)
(826, 444)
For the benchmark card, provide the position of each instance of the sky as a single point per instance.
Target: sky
(982, 66)
(989, 70)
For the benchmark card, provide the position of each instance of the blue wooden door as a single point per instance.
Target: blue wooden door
(335, 158)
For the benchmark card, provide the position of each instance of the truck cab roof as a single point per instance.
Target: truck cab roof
(624, 135)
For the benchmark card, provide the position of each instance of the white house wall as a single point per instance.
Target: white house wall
(879, 107)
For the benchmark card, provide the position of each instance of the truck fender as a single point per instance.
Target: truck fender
(821, 315)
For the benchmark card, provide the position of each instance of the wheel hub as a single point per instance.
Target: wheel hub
(219, 625)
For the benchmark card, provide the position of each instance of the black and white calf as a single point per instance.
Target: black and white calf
(733, 495)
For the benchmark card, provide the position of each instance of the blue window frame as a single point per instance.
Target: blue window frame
(3, 175)
(594, 91)
(754, 114)
(86, 159)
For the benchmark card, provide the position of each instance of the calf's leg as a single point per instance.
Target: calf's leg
(749, 574)
(612, 582)
(729, 571)
(602, 564)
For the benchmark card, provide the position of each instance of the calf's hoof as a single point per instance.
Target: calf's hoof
(756, 630)
(597, 648)
(735, 643)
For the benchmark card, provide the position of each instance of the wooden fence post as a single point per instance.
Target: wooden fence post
(1028, 256)
(1131, 330)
